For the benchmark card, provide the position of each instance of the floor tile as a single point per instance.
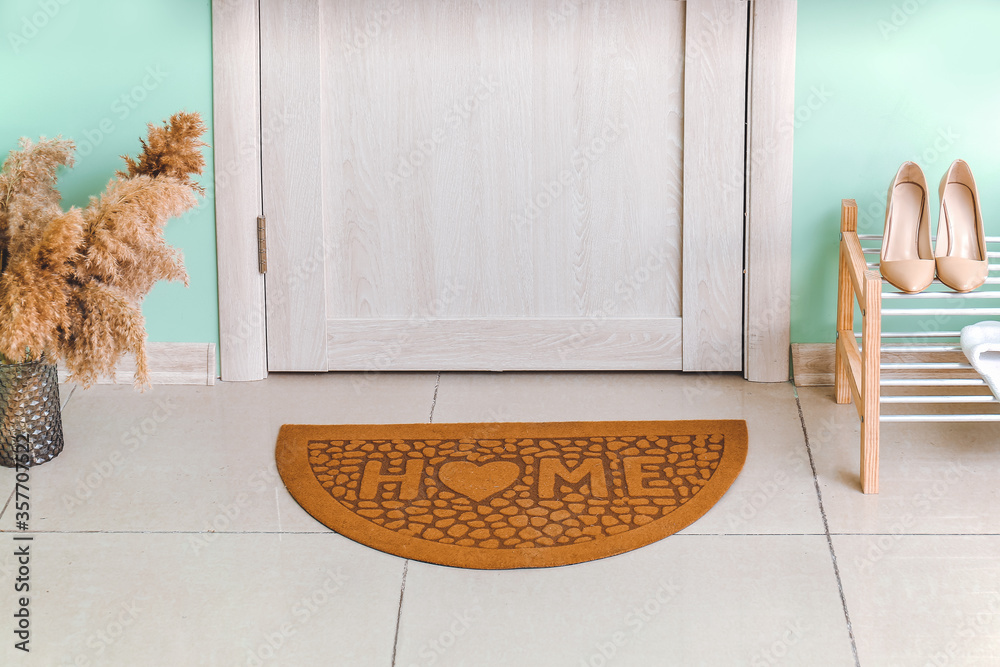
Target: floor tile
(200, 458)
(169, 600)
(774, 493)
(162, 535)
(688, 600)
(933, 478)
(923, 600)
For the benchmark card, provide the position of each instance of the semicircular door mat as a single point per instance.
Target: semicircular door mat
(510, 495)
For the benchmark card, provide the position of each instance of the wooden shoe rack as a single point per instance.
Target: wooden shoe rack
(903, 370)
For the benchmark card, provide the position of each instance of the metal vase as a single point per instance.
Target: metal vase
(30, 421)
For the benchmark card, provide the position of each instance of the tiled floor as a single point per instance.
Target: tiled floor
(162, 536)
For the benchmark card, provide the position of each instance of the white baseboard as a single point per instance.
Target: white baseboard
(169, 363)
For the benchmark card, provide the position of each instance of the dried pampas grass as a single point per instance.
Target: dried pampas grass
(72, 282)
(28, 193)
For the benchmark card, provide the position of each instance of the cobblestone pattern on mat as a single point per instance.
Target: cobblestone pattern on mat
(515, 493)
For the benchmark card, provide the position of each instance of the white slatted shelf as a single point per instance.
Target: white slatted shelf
(941, 418)
(921, 376)
(937, 301)
(953, 398)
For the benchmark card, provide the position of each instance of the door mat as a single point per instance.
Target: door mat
(510, 495)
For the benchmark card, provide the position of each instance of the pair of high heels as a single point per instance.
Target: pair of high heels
(959, 255)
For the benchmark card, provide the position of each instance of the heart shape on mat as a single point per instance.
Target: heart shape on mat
(479, 482)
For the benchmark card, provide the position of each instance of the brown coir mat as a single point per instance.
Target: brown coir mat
(509, 495)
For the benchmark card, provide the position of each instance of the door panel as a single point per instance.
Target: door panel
(502, 185)
(292, 180)
(714, 179)
(526, 344)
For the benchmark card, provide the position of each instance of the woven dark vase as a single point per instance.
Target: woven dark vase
(30, 421)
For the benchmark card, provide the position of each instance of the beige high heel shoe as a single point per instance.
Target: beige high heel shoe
(960, 251)
(906, 260)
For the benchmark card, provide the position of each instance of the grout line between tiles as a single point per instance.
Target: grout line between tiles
(901, 535)
(437, 383)
(277, 505)
(66, 402)
(399, 612)
(747, 535)
(7, 504)
(279, 533)
(826, 528)
(170, 532)
(322, 532)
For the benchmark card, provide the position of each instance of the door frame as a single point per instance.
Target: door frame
(767, 206)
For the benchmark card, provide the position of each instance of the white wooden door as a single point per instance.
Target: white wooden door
(504, 184)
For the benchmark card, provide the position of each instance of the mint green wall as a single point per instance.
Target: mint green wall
(879, 82)
(73, 67)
